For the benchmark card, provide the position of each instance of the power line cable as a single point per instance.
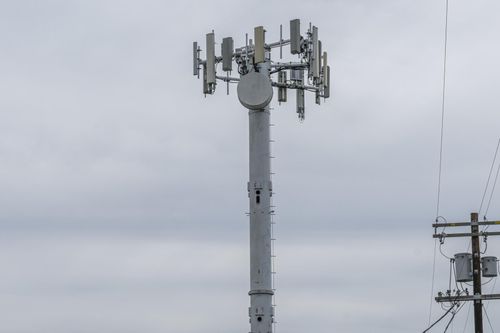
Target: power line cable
(453, 317)
(487, 317)
(489, 178)
(442, 253)
(432, 284)
(492, 290)
(439, 319)
(492, 191)
(485, 240)
(443, 104)
(449, 323)
(467, 319)
(440, 152)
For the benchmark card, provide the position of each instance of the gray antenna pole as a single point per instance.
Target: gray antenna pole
(260, 192)
(255, 92)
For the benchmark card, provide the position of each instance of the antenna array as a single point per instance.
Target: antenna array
(289, 75)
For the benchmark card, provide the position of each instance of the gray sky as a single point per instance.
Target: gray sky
(124, 189)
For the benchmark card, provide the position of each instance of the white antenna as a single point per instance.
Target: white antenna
(227, 54)
(260, 52)
(196, 62)
(295, 37)
(315, 61)
(255, 92)
(211, 81)
(281, 41)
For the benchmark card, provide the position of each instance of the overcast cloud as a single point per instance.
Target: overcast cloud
(123, 189)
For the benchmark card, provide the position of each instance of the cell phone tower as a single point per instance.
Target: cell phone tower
(255, 92)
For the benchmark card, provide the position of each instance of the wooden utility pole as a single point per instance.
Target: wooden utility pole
(476, 272)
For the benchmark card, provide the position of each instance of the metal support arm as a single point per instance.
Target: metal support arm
(466, 298)
(466, 234)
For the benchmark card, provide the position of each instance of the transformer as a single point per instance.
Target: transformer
(463, 267)
(490, 267)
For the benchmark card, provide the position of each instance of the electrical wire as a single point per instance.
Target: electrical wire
(433, 280)
(441, 250)
(467, 284)
(487, 282)
(485, 219)
(442, 111)
(449, 323)
(444, 307)
(492, 290)
(487, 317)
(492, 191)
(434, 269)
(439, 319)
(485, 243)
(453, 317)
(467, 319)
(489, 178)
(444, 220)
(440, 168)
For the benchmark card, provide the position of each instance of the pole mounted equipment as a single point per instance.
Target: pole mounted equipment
(470, 267)
(282, 75)
(257, 77)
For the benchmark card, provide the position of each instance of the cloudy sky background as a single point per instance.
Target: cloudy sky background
(124, 189)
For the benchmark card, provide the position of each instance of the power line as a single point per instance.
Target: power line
(442, 110)
(440, 318)
(489, 177)
(492, 290)
(432, 284)
(440, 154)
(492, 190)
(441, 250)
(487, 317)
(451, 320)
(453, 317)
(467, 319)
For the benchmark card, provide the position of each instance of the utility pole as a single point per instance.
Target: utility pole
(470, 267)
(255, 92)
(476, 272)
